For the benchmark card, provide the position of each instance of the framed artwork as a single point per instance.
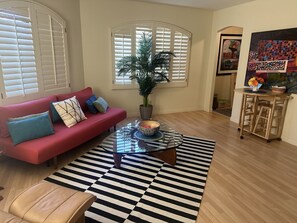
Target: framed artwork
(273, 56)
(229, 52)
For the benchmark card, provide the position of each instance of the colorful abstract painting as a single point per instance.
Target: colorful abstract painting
(273, 56)
(229, 54)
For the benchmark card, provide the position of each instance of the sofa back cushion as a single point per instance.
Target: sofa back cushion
(22, 109)
(82, 96)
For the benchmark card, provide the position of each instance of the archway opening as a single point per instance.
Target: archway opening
(228, 53)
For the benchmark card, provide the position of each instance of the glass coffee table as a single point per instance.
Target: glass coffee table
(127, 140)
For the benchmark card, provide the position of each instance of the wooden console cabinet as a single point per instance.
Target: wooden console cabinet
(262, 113)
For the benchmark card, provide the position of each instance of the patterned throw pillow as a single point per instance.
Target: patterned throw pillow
(70, 111)
(101, 105)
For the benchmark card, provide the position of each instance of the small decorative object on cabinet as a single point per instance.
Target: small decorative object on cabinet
(255, 83)
(277, 89)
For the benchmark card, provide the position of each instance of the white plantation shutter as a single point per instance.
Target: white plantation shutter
(163, 39)
(17, 53)
(166, 37)
(52, 51)
(122, 48)
(163, 43)
(139, 31)
(181, 59)
(33, 52)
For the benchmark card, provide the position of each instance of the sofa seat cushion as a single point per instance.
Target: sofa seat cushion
(22, 109)
(39, 150)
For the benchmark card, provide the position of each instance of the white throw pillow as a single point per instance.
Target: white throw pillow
(70, 111)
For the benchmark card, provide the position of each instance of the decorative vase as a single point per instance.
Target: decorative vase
(255, 88)
(145, 112)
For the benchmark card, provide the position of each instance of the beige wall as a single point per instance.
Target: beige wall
(222, 87)
(69, 11)
(260, 15)
(99, 16)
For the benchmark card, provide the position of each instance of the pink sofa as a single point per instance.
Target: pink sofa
(39, 150)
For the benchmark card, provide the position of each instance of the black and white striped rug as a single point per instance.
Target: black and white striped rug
(144, 189)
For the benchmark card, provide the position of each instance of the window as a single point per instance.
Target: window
(166, 37)
(33, 53)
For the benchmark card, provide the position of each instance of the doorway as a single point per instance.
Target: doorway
(225, 82)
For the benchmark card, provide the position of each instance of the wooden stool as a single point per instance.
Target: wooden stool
(247, 113)
(270, 120)
(261, 127)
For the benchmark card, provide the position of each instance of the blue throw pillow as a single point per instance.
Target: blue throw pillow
(101, 105)
(24, 129)
(90, 104)
(28, 116)
(55, 115)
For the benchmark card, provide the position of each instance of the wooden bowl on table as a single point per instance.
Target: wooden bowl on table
(148, 128)
(277, 89)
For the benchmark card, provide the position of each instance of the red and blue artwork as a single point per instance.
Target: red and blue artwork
(273, 56)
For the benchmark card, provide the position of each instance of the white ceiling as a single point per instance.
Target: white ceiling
(205, 4)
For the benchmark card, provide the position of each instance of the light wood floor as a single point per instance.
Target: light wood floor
(249, 180)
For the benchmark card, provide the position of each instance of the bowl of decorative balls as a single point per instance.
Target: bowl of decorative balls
(277, 89)
(148, 127)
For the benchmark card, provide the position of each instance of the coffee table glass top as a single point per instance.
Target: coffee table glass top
(128, 140)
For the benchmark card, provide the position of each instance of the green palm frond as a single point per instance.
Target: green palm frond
(127, 65)
(147, 69)
(162, 60)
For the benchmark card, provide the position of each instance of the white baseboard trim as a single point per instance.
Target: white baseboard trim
(164, 111)
(289, 140)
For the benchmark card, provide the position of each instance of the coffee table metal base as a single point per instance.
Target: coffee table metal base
(168, 156)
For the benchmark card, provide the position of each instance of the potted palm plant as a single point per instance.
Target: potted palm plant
(147, 69)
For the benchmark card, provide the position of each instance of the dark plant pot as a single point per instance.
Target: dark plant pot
(146, 112)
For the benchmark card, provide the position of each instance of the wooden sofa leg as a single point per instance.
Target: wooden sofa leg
(55, 162)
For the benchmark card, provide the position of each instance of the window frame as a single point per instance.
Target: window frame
(130, 29)
(34, 8)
